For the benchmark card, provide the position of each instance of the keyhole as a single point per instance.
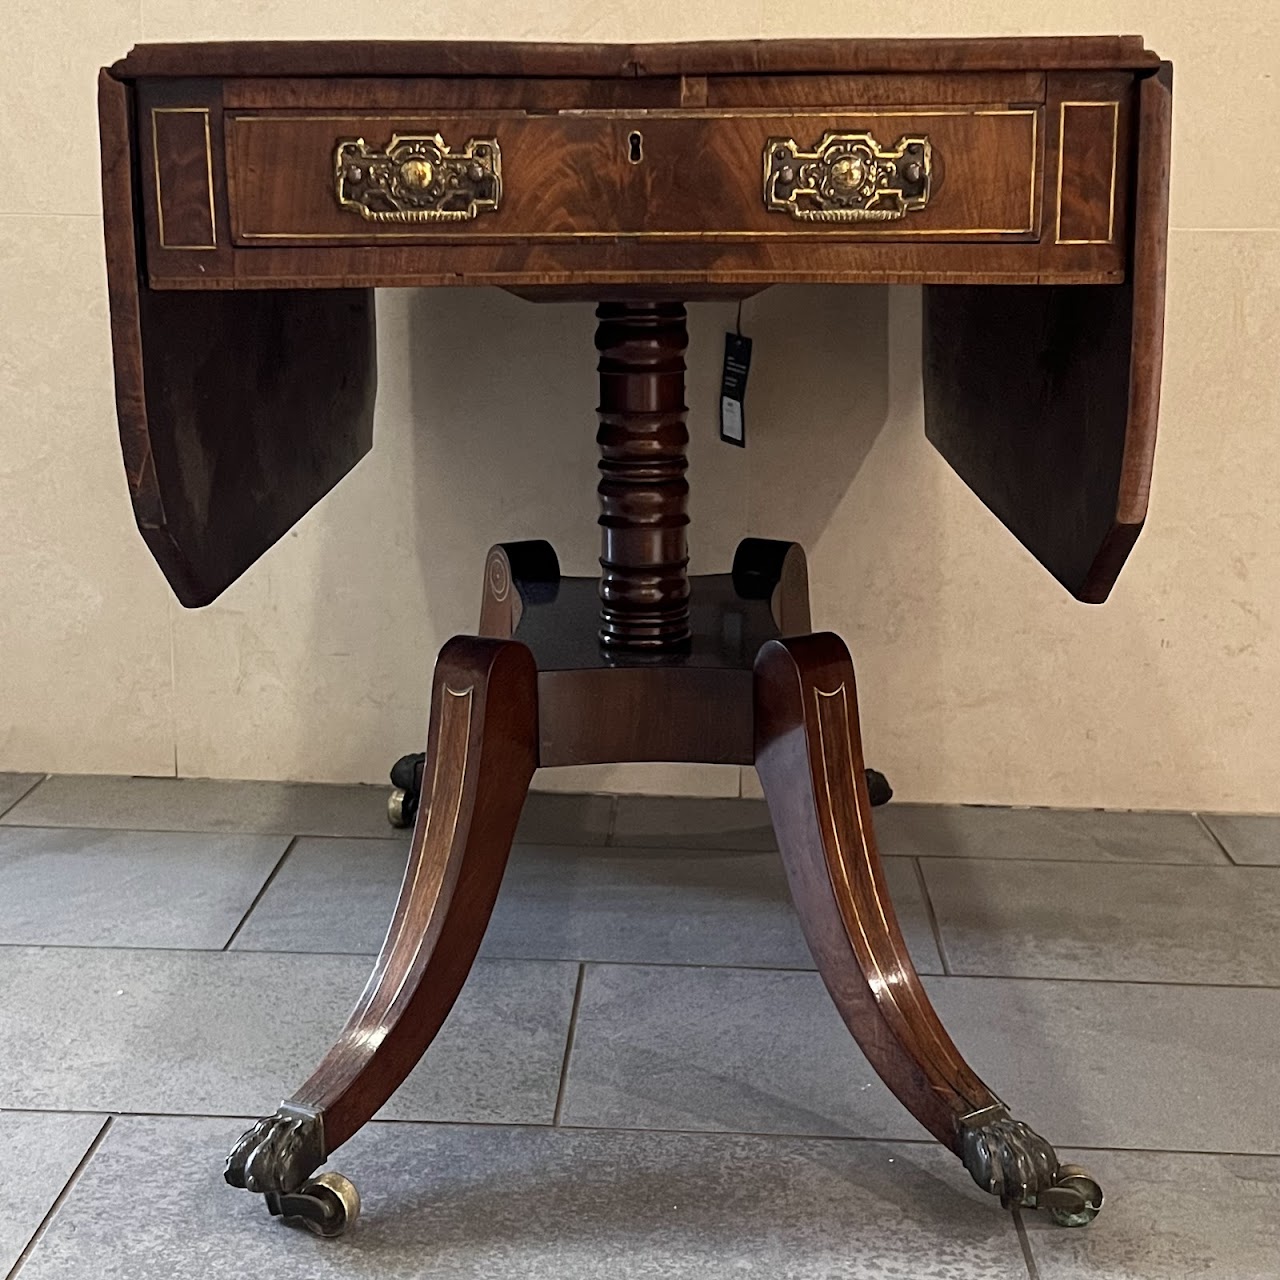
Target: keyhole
(636, 142)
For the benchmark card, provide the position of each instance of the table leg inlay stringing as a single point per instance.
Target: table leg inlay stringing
(255, 194)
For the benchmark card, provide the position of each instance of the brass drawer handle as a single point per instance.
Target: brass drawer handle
(847, 177)
(416, 178)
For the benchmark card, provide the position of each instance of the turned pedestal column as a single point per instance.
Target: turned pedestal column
(644, 554)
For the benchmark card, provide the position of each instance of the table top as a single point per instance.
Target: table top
(254, 194)
(631, 61)
(590, 170)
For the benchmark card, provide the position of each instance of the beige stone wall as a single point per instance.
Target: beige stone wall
(980, 681)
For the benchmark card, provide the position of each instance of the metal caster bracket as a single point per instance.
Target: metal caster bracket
(327, 1205)
(1009, 1159)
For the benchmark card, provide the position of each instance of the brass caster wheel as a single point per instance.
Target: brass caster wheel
(326, 1205)
(406, 789)
(399, 813)
(1075, 1199)
(878, 789)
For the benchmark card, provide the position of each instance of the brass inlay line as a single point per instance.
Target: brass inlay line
(499, 576)
(1035, 157)
(455, 720)
(808, 237)
(1115, 143)
(208, 160)
(618, 113)
(867, 866)
(373, 237)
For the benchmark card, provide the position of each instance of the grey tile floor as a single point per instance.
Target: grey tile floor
(644, 1076)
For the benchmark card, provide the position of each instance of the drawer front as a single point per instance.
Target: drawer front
(945, 173)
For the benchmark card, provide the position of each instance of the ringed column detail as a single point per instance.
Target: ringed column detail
(644, 496)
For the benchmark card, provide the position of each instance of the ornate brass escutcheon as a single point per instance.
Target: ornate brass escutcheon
(847, 177)
(418, 179)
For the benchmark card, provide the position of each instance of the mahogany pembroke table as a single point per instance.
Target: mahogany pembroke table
(254, 196)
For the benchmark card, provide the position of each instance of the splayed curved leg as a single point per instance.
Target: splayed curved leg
(809, 757)
(514, 573)
(483, 748)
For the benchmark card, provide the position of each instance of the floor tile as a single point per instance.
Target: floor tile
(205, 804)
(42, 1152)
(1085, 1063)
(658, 906)
(1169, 1217)
(722, 1049)
(74, 887)
(231, 1033)
(1108, 920)
(1075, 835)
(13, 786)
(1247, 837)
(552, 817)
(538, 1204)
(668, 906)
(330, 895)
(691, 823)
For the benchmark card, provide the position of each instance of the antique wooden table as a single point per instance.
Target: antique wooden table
(254, 195)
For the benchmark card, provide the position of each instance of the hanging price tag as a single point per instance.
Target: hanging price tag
(733, 388)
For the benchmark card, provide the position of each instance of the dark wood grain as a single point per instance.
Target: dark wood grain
(257, 404)
(516, 572)
(449, 93)
(1086, 192)
(630, 61)
(483, 749)
(423, 92)
(809, 757)
(245, 382)
(693, 704)
(902, 89)
(237, 412)
(572, 176)
(1088, 165)
(182, 163)
(592, 269)
(644, 553)
(184, 178)
(1045, 400)
(122, 228)
(767, 569)
(605, 707)
(1147, 287)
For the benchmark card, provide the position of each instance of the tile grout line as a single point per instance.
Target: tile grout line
(8, 825)
(642, 964)
(1033, 1271)
(788, 1135)
(1213, 835)
(932, 916)
(60, 1198)
(40, 780)
(257, 897)
(568, 1046)
(392, 836)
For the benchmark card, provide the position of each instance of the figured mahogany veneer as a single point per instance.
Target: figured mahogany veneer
(698, 174)
(1029, 196)
(1030, 181)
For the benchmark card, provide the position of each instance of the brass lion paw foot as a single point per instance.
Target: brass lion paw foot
(1009, 1159)
(276, 1158)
